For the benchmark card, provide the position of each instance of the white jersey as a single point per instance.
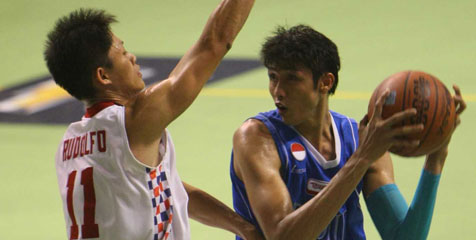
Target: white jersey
(107, 193)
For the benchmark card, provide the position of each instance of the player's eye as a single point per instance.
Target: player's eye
(272, 76)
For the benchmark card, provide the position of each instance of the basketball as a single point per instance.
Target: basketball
(433, 102)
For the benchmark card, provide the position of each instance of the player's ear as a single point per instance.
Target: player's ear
(101, 76)
(325, 83)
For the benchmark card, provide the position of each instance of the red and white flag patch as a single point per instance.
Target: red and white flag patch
(298, 151)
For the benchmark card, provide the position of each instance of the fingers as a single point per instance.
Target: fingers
(400, 116)
(405, 144)
(457, 89)
(379, 104)
(364, 121)
(460, 104)
(407, 130)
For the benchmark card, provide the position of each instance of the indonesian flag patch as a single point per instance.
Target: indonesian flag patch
(298, 151)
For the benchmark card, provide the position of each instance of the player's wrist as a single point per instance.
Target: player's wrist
(435, 161)
(435, 164)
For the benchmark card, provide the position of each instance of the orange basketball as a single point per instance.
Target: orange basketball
(434, 104)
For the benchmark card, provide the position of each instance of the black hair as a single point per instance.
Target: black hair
(76, 47)
(302, 46)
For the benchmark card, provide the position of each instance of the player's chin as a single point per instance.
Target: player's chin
(140, 83)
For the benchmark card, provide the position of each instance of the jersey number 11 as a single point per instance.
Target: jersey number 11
(89, 229)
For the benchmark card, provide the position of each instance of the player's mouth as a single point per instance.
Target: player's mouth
(281, 108)
(139, 72)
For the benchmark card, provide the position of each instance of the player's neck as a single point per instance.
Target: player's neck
(318, 129)
(108, 97)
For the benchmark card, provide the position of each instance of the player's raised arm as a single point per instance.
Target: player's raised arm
(149, 113)
(165, 101)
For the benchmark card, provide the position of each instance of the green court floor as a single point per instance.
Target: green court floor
(375, 39)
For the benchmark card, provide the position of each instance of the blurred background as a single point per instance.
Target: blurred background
(375, 40)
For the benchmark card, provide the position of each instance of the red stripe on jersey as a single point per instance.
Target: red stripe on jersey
(94, 109)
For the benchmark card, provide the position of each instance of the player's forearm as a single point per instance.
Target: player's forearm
(225, 22)
(416, 224)
(309, 220)
(394, 219)
(208, 210)
(217, 37)
(199, 63)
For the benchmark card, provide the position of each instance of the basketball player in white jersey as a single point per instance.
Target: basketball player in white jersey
(116, 167)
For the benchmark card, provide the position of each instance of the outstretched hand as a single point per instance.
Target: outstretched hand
(377, 135)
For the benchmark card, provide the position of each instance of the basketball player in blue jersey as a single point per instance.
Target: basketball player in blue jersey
(297, 171)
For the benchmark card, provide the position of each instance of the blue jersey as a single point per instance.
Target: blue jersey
(305, 173)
